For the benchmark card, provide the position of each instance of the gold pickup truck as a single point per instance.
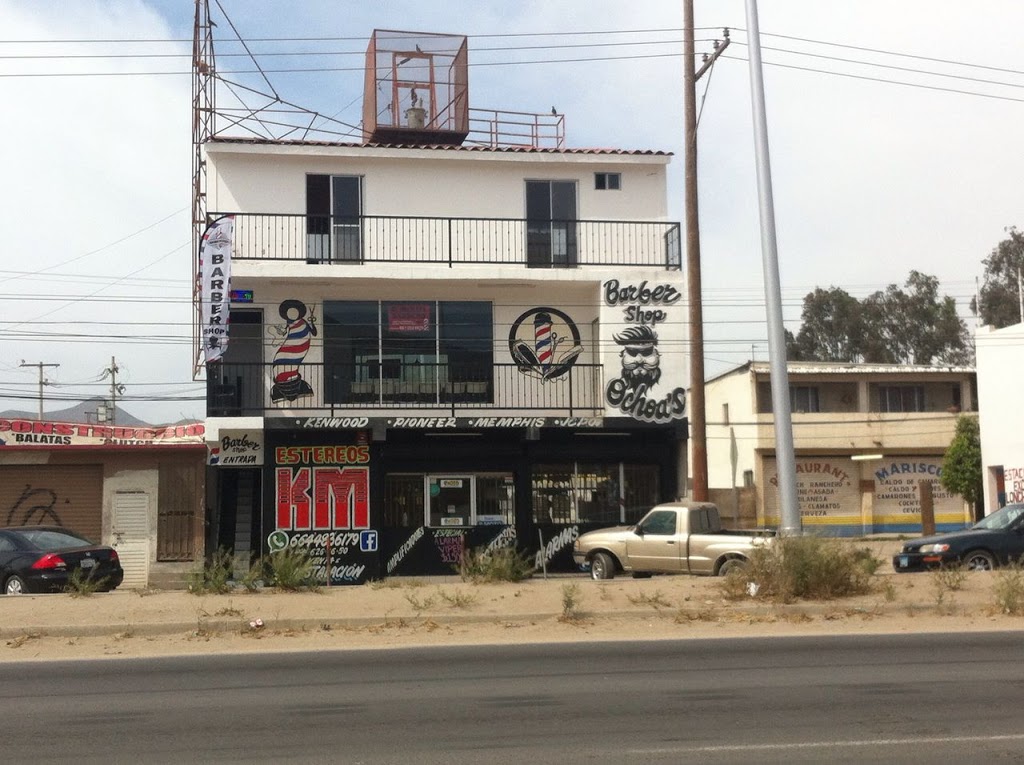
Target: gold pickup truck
(673, 538)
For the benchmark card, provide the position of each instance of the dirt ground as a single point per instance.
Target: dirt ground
(432, 612)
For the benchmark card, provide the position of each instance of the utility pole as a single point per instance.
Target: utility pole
(40, 365)
(114, 389)
(698, 419)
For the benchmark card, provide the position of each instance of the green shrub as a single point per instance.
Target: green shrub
(571, 599)
(81, 583)
(1008, 589)
(291, 569)
(503, 564)
(807, 567)
(212, 576)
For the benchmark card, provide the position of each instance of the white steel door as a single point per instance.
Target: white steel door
(131, 536)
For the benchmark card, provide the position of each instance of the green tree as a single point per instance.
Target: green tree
(912, 324)
(999, 297)
(830, 328)
(961, 465)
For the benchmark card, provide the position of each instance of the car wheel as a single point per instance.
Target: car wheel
(602, 567)
(15, 586)
(979, 560)
(733, 564)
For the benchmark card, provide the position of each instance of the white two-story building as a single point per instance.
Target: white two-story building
(454, 334)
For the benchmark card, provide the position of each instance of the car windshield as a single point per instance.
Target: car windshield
(1002, 518)
(49, 540)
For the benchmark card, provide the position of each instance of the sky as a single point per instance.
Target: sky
(893, 133)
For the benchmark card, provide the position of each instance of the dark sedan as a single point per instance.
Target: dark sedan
(44, 558)
(995, 540)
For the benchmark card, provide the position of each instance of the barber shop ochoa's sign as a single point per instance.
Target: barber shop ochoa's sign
(636, 391)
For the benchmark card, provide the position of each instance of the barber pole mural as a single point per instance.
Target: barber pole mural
(544, 343)
(298, 332)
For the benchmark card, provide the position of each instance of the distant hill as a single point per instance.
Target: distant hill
(83, 412)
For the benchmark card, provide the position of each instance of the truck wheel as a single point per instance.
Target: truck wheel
(733, 564)
(602, 567)
(979, 560)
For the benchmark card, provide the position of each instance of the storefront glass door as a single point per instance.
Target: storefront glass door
(450, 500)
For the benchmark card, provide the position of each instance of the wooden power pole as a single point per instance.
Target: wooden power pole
(697, 415)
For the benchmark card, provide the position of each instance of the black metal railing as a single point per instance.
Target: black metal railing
(456, 241)
(255, 389)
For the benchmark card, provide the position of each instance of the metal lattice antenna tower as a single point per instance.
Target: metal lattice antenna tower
(203, 118)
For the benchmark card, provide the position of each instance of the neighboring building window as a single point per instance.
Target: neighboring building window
(803, 399)
(901, 398)
(607, 181)
(577, 492)
(408, 351)
(334, 223)
(748, 479)
(551, 224)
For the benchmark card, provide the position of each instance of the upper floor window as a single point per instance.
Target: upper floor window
(607, 181)
(901, 398)
(803, 398)
(334, 226)
(551, 224)
(414, 351)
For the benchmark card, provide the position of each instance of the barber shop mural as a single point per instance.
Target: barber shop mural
(641, 389)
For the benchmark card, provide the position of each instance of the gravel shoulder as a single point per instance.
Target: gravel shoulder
(433, 612)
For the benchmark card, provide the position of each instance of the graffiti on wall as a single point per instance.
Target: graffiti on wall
(297, 332)
(35, 506)
(544, 343)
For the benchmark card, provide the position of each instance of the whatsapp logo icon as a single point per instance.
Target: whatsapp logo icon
(278, 540)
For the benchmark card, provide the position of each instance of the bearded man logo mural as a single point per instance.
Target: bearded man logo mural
(297, 331)
(641, 362)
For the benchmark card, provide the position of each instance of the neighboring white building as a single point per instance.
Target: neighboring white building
(1000, 358)
(864, 436)
(438, 343)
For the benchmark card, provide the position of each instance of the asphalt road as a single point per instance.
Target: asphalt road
(884, 699)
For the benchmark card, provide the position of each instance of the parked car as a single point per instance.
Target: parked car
(673, 538)
(995, 540)
(43, 558)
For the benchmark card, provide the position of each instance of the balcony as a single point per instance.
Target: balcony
(255, 389)
(351, 241)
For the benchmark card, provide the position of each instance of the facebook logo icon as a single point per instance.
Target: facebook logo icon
(368, 541)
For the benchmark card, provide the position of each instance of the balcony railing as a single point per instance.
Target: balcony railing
(256, 389)
(456, 241)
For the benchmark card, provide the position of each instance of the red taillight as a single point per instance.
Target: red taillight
(113, 556)
(50, 560)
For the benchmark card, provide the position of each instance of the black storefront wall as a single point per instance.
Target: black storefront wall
(336, 466)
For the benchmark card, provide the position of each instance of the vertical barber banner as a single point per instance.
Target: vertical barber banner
(215, 284)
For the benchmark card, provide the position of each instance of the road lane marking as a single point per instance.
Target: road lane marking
(830, 744)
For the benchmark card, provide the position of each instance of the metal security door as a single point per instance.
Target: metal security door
(131, 536)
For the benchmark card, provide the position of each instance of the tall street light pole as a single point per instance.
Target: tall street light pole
(784, 457)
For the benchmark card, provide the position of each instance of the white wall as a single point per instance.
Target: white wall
(1000, 365)
(733, 440)
(436, 183)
